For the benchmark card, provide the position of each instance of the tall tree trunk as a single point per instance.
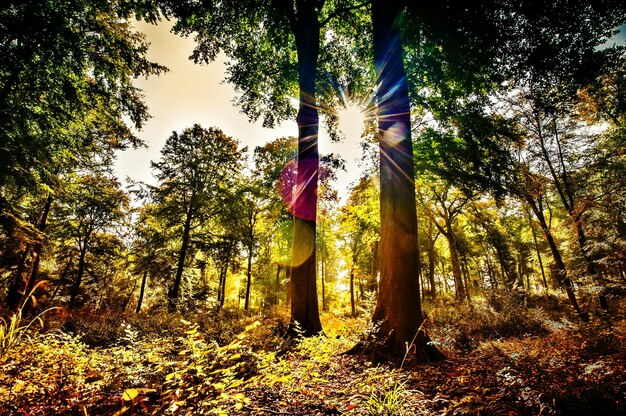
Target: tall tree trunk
(543, 272)
(562, 184)
(277, 282)
(558, 261)
(79, 275)
(38, 248)
(431, 263)
(398, 308)
(352, 303)
(15, 295)
(248, 278)
(459, 288)
(324, 306)
(142, 291)
(172, 296)
(304, 307)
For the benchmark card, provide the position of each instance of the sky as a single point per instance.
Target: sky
(191, 93)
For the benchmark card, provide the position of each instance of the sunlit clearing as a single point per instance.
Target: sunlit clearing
(351, 122)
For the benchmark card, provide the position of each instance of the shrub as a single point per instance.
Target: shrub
(501, 316)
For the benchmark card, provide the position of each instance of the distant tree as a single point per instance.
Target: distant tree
(278, 52)
(149, 248)
(195, 174)
(360, 231)
(89, 206)
(443, 204)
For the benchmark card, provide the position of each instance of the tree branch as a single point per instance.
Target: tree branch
(342, 10)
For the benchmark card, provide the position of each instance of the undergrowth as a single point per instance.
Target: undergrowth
(500, 361)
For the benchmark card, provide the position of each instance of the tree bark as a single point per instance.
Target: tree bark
(543, 272)
(558, 261)
(79, 275)
(15, 297)
(142, 291)
(172, 298)
(304, 307)
(248, 278)
(352, 303)
(398, 307)
(459, 288)
(431, 262)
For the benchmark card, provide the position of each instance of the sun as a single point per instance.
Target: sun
(351, 122)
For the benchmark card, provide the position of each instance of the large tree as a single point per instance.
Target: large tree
(398, 309)
(195, 173)
(90, 206)
(275, 49)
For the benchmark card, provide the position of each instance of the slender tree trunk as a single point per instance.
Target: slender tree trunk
(490, 272)
(543, 272)
(324, 306)
(398, 307)
(564, 190)
(172, 298)
(431, 264)
(38, 248)
(79, 275)
(14, 297)
(352, 304)
(304, 307)
(277, 283)
(558, 261)
(130, 295)
(459, 288)
(466, 278)
(142, 291)
(249, 278)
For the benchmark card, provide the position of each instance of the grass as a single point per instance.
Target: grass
(183, 368)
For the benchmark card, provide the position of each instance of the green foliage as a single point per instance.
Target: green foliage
(202, 372)
(66, 70)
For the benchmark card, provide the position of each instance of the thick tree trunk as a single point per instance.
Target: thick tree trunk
(398, 308)
(172, 296)
(304, 307)
(558, 261)
(142, 291)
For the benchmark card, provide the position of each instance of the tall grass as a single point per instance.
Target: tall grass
(13, 330)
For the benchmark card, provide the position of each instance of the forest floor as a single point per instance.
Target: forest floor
(503, 358)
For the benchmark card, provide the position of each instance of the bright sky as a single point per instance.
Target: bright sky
(191, 93)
